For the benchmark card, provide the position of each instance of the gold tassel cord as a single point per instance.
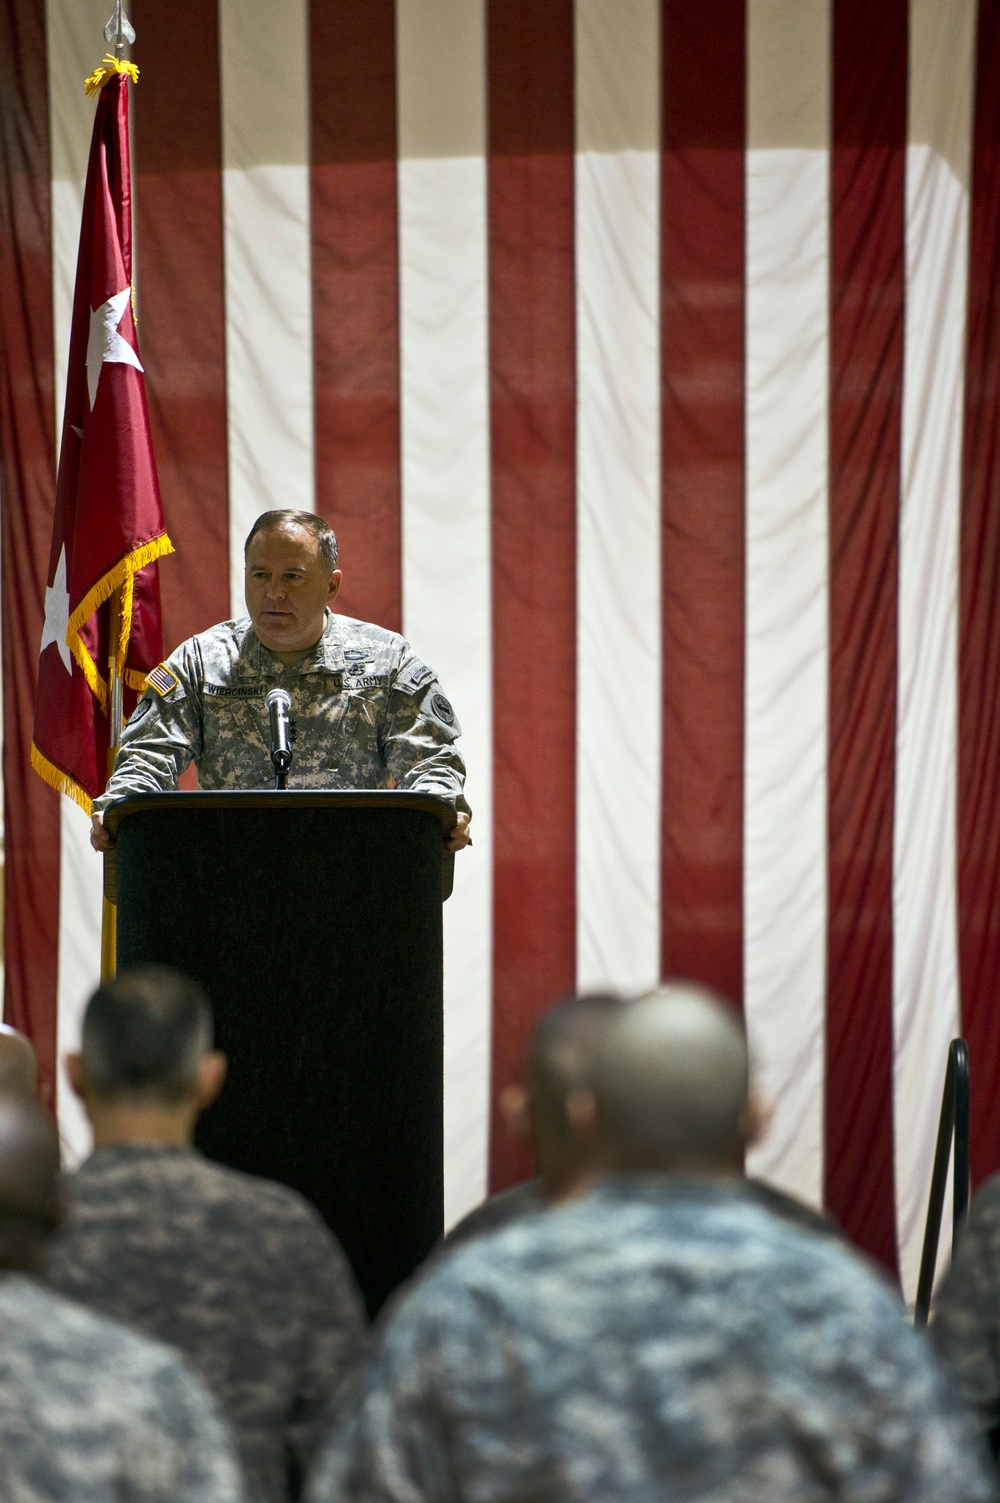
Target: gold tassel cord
(106, 71)
(59, 780)
(122, 574)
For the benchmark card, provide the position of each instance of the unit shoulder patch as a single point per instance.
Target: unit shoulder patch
(442, 709)
(162, 679)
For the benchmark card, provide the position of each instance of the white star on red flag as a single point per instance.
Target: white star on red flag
(57, 614)
(105, 345)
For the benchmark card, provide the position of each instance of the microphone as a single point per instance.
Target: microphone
(278, 703)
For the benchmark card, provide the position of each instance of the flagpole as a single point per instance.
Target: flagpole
(118, 31)
(109, 911)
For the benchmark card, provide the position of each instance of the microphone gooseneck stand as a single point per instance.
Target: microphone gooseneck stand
(278, 703)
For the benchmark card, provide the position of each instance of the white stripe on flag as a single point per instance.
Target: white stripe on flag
(618, 492)
(925, 964)
(267, 259)
(445, 495)
(787, 212)
(81, 876)
(75, 46)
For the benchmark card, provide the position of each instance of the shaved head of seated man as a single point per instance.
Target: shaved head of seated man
(368, 713)
(88, 1411)
(240, 1274)
(539, 1114)
(664, 1336)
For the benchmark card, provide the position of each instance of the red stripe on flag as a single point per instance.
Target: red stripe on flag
(703, 491)
(352, 57)
(979, 652)
(27, 485)
(533, 469)
(866, 366)
(178, 209)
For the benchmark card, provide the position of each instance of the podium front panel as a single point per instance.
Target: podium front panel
(316, 932)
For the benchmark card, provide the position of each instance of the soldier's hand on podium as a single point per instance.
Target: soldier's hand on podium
(459, 836)
(100, 838)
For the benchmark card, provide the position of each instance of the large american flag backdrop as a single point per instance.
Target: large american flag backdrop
(643, 354)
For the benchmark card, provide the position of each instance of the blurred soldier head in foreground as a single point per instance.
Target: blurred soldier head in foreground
(544, 1114)
(30, 1199)
(18, 1066)
(671, 1085)
(146, 1068)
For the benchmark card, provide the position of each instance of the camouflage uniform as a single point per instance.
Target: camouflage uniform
(660, 1340)
(499, 1210)
(966, 1326)
(494, 1214)
(239, 1273)
(90, 1413)
(367, 713)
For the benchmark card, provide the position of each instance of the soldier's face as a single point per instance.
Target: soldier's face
(287, 588)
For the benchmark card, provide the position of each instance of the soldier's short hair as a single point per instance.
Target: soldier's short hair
(272, 521)
(563, 1051)
(144, 1034)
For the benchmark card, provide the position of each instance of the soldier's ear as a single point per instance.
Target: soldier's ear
(77, 1078)
(756, 1120)
(210, 1079)
(515, 1112)
(334, 589)
(582, 1114)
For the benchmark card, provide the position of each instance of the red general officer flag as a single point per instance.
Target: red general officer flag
(109, 527)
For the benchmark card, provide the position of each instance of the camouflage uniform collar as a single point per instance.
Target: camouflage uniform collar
(657, 1186)
(255, 661)
(137, 1150)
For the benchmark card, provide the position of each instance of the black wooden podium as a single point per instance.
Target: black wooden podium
(313, 920)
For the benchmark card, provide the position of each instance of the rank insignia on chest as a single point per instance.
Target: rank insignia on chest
(162, 679)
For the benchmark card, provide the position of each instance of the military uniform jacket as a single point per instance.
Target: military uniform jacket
(368, 714)
(238, 1273)
(966, 1325)
(90, 1413)
(655, 1340)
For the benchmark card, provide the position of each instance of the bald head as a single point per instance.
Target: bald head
(671, 1083)
(18, 1066)
(30, 1206)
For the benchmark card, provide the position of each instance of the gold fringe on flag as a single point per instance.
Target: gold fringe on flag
(122, 575)
(107, 70)
(59, 780)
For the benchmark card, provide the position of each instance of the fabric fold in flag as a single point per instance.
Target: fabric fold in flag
(108, 530)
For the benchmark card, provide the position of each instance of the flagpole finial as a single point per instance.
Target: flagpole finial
(119, 29)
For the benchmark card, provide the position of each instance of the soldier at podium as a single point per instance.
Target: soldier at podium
(367, 712)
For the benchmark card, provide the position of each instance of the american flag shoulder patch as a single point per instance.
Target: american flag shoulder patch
(161, 679)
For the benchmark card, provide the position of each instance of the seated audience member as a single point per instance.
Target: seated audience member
(18, 1066)
(966, 1325)
(89, 1412)
(239, 1273)
(538, 1114)
(662, 1337)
